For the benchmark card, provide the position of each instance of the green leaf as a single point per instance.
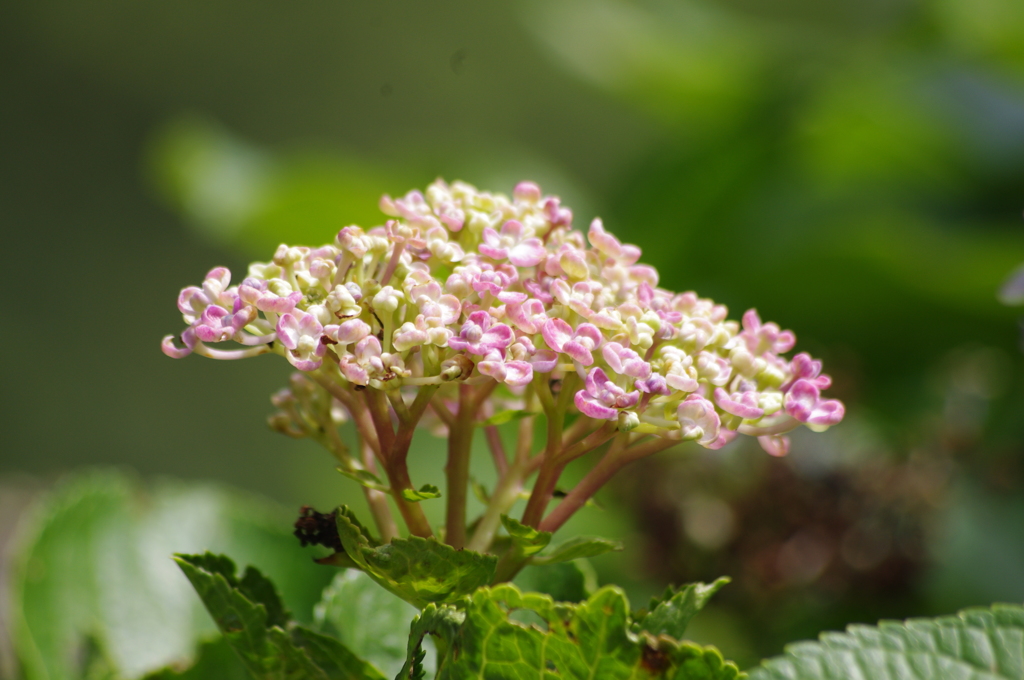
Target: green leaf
(503, 417)
(92, 575)
(350, 518)
(976, 643)
(418, 570)
(215, 660)
(326, 653)
(577, 547)
(244, 611)
(425, 492)
(673, 613)
(369, 620)
(525, 542)
(528, 540)
(443, 623)
(504, 633)
(365, 478)
(253, 585)
(565, 581)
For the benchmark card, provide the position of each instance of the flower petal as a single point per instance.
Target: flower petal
(556, 333)
(698, 419)
(774, 445)
(589, 406)
(744, 407)
(519, 373)
(529, 253)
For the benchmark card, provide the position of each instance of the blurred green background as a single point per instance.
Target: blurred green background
(853, 169)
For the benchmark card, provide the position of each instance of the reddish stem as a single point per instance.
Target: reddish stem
(497, 449)
(610, 463)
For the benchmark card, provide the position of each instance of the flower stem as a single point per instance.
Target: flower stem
(525, 441)
(543, 489)
(444, 413)
(412, 513)
(367, 417)
(398, 404)
(497, 449)
(612, 462)
(505, 495)
(572, 434)
(378, 501)
(397, 468)
(552, 466)
(377, 405)
(460, 443)
(360, 416)
(396, 255)
(407, 425)
(589, 443)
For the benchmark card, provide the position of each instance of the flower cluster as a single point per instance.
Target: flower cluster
(461, 286)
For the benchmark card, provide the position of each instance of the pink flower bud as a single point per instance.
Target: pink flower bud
(409, 336)
(743, 404)
(601, 398)
(577, 344)
(514, 373)
(480, 335)
(698, 420)
(774, 445)
(804, 402)
(512, 244)
(527, 191)
(301, 336)
(625, 361)
(473, 306)
(348, 332)
(761, 338)
(168, 346)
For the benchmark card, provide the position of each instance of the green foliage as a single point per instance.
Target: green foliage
(418, 570)
(441, 622)
(577, 547)
(215, 660)
(94, 588)
(527, 540)
(588, 640)
(250, 615)
(524, 542)
(365, 478)
(976, 643)
(367, 619)
(673, 612)
(564, 581)
(80, 584)
(350, 519)
(425, 492)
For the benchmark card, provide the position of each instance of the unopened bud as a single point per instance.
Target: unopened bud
(628, 421)
(387, 299)
(459, 366)
(280, 422)
(282, 398)
(301, 386)
(574, 264)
